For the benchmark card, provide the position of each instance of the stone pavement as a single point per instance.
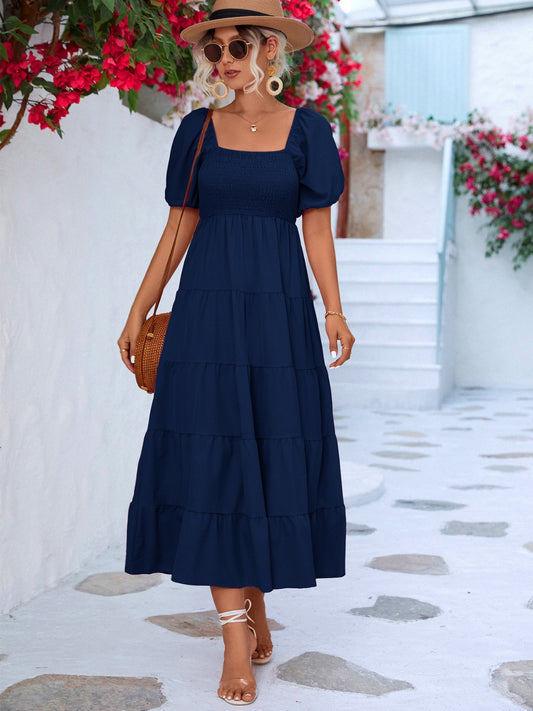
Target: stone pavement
(435, 612)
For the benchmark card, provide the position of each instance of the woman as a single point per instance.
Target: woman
(238, 485)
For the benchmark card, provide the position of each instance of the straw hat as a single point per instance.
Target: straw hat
(262, 13)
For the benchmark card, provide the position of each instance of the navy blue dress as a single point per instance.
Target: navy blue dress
(239, 481)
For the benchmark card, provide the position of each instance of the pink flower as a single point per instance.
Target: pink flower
(518, 223)
(488, 197)
(503, 234)
(496, 173)
(343, 153)
(514, 204)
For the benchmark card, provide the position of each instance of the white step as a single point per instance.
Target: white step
(395, 353)
(386, 374)
(349, 395)
(362, 289)
(393, 331)
(355, 311)
(382, 249)
(353, 269)
(388, 292)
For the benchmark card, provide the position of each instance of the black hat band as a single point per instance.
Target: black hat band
(228, 12)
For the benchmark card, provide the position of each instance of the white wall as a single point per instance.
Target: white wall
(411, 199)
(79, 219)
(501, 57)
(494, 304)
(494, 317)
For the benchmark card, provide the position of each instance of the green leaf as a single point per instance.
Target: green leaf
(102, 83)
(133, 97)
(26, 29)
(11, 22)
(3, 52)
(105, 14)
(25, 88)
(48, 85)
(3, 134)
(8, 93)
(110, 4)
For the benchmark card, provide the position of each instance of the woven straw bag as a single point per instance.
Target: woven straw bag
(152, 334)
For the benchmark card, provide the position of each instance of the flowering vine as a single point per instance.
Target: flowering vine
(87, 45)
(493, 168)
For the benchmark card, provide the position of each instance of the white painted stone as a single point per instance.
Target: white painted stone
(327, 671)
(360, 484)
(485, 529)
(398, 609)
(118, 583)
(515, 681)
(61, 692)
(198, 624)
(413, 563)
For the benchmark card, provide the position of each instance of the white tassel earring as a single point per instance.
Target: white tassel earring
(274, 85)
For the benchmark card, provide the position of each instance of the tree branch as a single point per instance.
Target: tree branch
(16, 124)
(56, 21)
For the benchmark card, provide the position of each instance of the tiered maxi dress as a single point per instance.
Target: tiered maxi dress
(239, 481)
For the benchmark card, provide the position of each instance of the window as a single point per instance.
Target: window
(426, 70)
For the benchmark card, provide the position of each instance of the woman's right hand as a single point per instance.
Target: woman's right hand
(128, 339)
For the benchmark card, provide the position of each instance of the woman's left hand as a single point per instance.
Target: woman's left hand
(338, 330)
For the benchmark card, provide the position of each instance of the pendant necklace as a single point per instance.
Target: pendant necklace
(253, 125)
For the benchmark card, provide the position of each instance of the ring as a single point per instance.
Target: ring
(123, 349)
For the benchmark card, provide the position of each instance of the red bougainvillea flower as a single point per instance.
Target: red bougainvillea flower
(489, 197)
(514, 204)
(503, 234)
(65, 100)
(36, 116)
(496, 173)
(81, 78)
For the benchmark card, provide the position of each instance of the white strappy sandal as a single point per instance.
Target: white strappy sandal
(257, 660)
(234, 616)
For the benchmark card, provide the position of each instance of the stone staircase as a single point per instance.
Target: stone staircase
(389, 294)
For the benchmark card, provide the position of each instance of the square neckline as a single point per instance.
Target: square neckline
(238, 150)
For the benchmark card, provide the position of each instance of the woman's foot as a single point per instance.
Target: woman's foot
(237, 682)
(257, 612)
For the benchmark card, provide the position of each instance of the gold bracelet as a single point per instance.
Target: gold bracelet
(336, 313)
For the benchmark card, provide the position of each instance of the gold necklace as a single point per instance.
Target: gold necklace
(253, 125)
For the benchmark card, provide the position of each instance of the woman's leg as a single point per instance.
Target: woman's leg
(237, 681)
(260, 624)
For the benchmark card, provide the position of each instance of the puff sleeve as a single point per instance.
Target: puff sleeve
(181, 156)
(321, 174)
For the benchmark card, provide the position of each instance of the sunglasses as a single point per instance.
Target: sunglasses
(238, 49)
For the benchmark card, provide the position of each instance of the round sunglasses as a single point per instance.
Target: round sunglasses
(238, 48)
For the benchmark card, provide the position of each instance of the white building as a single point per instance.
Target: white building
(79, 219)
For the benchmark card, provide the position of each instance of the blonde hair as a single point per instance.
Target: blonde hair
(257, 36)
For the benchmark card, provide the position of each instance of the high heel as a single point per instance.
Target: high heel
(234, 616)
(257, 660)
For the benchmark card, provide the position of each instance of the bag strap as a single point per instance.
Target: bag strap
(150, 333)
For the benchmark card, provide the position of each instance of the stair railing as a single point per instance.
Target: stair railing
(446, 233)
